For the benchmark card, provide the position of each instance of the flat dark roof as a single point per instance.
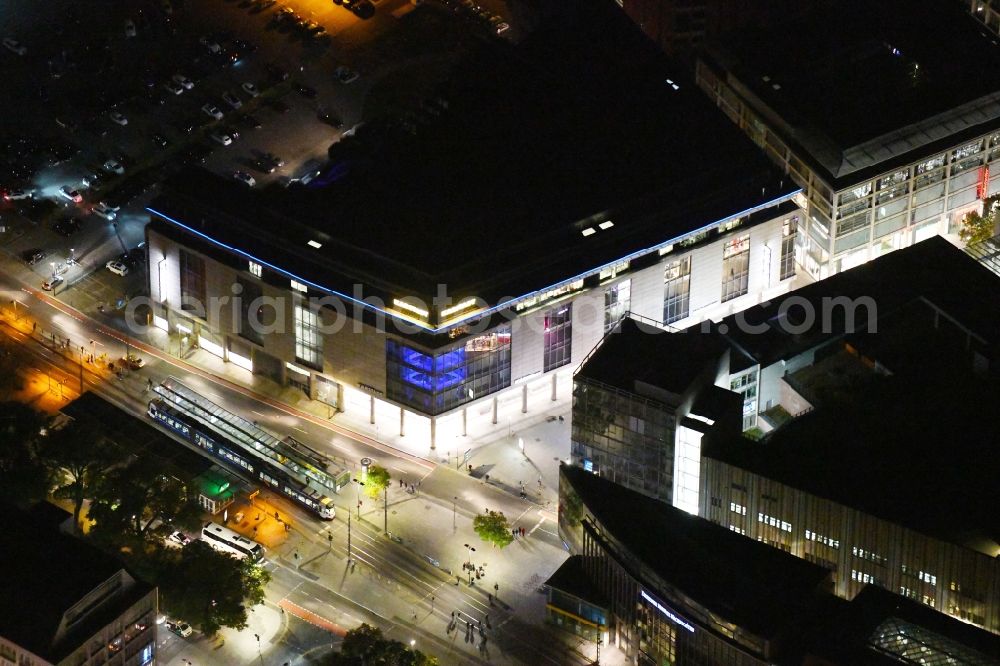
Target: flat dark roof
(584, 121)
(933, 271)
(571, 578)
(746, 582)
(864, 86)
(639, 352)
(45, 573)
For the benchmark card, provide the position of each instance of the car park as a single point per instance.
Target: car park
(117, 267)
(68, 192)
(113, 166)
(33, 256)
(232, 100)
(244, 178)
(221, 138)
(184, 81)
(173, 87)
(250, 89)
(53, 282)
(104, 210)
(212, 110)
(118, 117)
(14, 46)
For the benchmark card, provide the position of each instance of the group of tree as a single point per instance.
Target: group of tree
(494, 528)
(133, 504)
(376, 480)
(977, 228)
(366, 646)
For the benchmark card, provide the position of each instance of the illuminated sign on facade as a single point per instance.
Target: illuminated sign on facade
(673, 617)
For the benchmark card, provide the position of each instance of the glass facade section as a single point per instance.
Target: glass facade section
(735, 267)
(789, 231)
(192, 283)
(308, 341)
(434, 382)
(677, 290)
(250, 324)
(623, 437)
(558, 337)
(617, 300)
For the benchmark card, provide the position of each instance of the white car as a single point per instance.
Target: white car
(244, 178)
(14, 46)
(184, 81)
(502, 27)
(114, 166)
(69, 193)
(53, 282)
(224, 139)
(213, 111)
(104, 210)
(179, 538)
(232, 100)
(118, 117)
(18, 194)
(129, 28)
(250, 89)
(209, 44)
(173, 87)
(117, 267)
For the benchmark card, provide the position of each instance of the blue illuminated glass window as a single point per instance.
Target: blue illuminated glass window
(450, 359)
(414, 358)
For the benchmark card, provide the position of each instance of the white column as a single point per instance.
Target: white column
(495, 404)
(433, 432)
(402, 423)
(524, 398)
(371, 418)
(465, 422)
(553, 387)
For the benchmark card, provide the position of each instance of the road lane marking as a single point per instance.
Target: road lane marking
(311, 617)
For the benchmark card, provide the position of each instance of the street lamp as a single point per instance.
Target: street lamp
(72, 257)
(470, 552)
(257, 636)
(454, 518)
(357, 495)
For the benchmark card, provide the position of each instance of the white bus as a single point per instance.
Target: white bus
(225, 540)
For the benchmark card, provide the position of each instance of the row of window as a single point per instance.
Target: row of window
(825, 540)
(774, 522)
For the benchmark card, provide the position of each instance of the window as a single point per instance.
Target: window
(825, 540)
(308, 342)
(927, 578)
(774, 522)
(735, 267)
(255, 269)
(738, 530)
(907, 592)
(867, 555)
(789, 231)
(192, 283)
(928, 599)
(548, 295)
(613, 270)
(558, 337)
(676, 290)
(738, 508)
(298, 286)
(616, 303)
(863, 577)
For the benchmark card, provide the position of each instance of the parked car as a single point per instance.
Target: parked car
(250, 89)
(224, 139)
(264, 166)
(249, 121)
(32, 257)
(119, 118)
(114, 166)
(184, 81)
(273, 159)
(160, 140)
(14, 46)
(104, 210)
(304, 90)
(69, 193)
(133, 362)
(213, 111)
(345, 74)
(244, 178)
(129, 28)
(179, 538)
(173, 87)
(232, 100)
(117, 267)
(18, 194)
(53, 282)
(182, 629)
(331, 119)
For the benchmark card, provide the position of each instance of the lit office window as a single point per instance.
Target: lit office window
(613, 270)
(558, 337)
(617, 300)
(676, 290)
(298, 286)
(735, 267)
(788, 233)
(255, 269)
(738, 508)
(308, 342)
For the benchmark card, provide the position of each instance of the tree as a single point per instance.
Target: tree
(10, 379)
(78, 455)
(976, 228)
(376, 481)
(128, 500)
(24, 479)
(492, 527)
(211, 589)
(365, 645)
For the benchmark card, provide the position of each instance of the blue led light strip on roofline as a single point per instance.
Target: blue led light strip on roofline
(481, 313)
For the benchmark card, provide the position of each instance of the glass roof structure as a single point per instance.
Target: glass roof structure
(987, 253)
(912, 644)
(301, 462)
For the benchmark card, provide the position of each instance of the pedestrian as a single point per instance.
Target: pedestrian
(490, 595)
(522, 531)
(34, 325)
(453, 615)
